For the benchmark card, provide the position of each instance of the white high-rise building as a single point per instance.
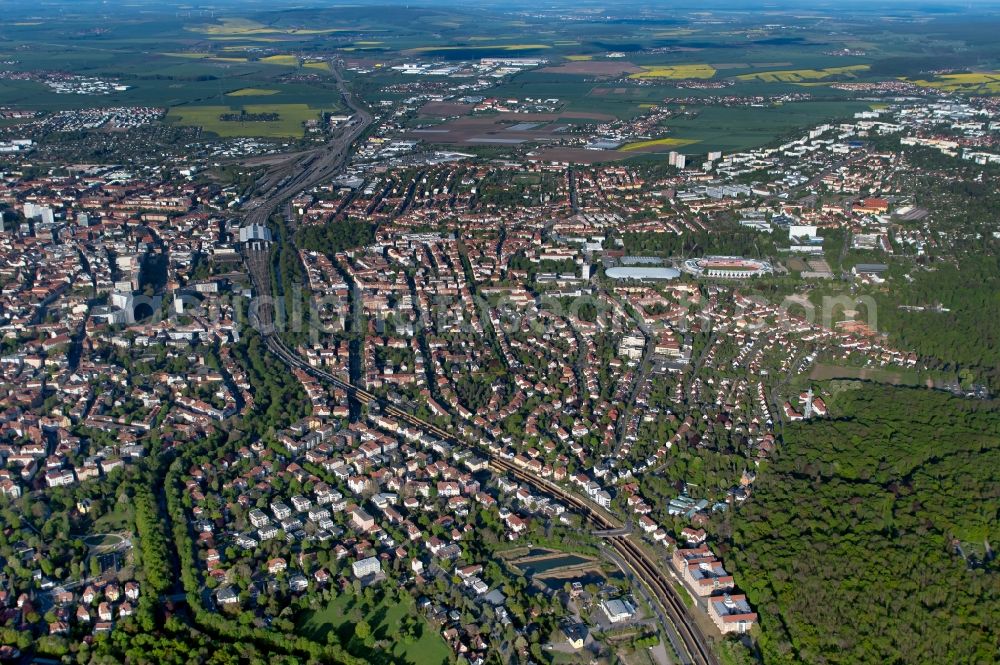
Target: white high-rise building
(41, 213)
(365, 567)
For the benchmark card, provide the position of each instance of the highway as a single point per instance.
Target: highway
(691, 643)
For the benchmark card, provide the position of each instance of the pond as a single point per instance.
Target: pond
(542, 566)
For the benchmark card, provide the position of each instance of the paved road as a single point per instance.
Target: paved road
(313, 166)
(678, 624)
(642, 371)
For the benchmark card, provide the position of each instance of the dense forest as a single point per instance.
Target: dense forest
(960, 270)
(964, 335)
(868, 539)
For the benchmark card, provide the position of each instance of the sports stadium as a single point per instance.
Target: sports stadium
(727, 267)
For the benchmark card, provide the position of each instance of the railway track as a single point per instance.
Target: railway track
(693, 647)
(693, 639)
(313, 166)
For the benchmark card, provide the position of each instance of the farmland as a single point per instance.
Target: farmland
(609, 68)
(252, 92)
(658, 143)
(979, 83)
(239, 27)
(799, 75)
(283, 59)
(472, 52)
(676, 72)
(197, 60)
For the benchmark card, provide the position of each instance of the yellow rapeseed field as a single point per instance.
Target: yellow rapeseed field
(669, 142)
(700, 71)
(799, 75)
(252, 92)
(285, 59)
(974, 82)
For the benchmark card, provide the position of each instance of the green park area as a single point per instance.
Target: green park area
(389, 631)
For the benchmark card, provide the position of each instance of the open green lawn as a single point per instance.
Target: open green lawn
(103, 541)
(894, 376)
(728, 129)
(288, 124)
(428, 649)
(114, 520)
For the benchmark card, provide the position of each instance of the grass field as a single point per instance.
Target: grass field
(11, 122)
(678, 32)
(576, 92)
(206, 57)
(799, 75)
(232, 26)
(676, 72)
(894, 376)
(249, 38)
(721, 128)
(289, 124)
(579, 58)
(102, 541)
(428, 649)
(114, 520)
(33, 95)
(658, 143)
(191, 55)
(252, 92)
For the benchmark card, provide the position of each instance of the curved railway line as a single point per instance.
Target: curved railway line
(693, 648)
